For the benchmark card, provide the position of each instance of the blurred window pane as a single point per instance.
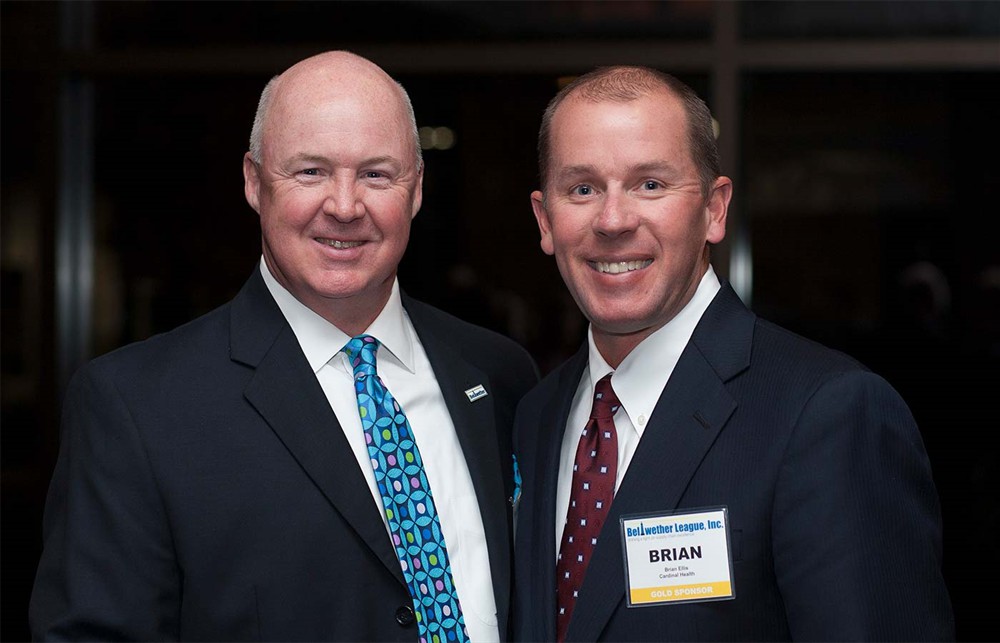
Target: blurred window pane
(850, 179)
(868, 19)
(332, 24)
(174, 236)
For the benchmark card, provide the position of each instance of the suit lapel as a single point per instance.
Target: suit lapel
(551, 429)
(691, 412)
(287, 395)
(475, 425)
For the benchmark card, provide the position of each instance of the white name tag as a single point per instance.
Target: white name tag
(678, 557)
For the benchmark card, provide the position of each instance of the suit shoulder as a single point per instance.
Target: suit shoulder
(461, 330)
(469, 337)
(779, 345)
(486, 348)
(804, 369)
(186, 348)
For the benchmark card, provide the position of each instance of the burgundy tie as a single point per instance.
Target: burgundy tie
(590, 497)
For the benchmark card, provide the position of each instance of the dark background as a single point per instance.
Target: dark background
(862, 136)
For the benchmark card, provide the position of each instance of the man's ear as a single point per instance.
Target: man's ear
(251, 182)
(544, 223)
(418, 192)
(717, 209)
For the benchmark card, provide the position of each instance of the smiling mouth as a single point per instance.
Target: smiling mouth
(618, 267)
(337, 243)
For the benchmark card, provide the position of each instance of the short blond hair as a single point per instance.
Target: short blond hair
(627, 83)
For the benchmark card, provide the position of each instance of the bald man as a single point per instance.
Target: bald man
(239, 477)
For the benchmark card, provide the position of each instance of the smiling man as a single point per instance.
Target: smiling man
(323, 458)
(694, 472)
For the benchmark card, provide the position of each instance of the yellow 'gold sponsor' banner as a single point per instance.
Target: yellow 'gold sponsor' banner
(681, 593)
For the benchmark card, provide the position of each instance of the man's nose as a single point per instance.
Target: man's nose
(343, 200)
(616, 216)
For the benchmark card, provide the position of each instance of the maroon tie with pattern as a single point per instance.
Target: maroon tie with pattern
(590, 497)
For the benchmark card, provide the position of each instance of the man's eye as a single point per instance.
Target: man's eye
(583, 190)
(310, 171)
(651, 185)
(373, 174)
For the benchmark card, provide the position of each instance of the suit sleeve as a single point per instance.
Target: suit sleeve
(856, 522)
(108, 570)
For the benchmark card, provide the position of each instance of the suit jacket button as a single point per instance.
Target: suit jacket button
(404, 615)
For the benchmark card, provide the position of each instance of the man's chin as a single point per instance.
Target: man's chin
(618, 331)
(615, 317)
(619, 325)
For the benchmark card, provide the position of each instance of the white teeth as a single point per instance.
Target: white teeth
(618, 267)
(340, 244)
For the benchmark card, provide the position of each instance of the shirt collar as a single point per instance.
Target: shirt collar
(321, 341)
(642, 375)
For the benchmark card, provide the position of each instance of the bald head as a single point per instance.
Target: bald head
(326, 76)
(335, 177)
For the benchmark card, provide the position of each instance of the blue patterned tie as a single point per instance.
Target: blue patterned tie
(407, 500)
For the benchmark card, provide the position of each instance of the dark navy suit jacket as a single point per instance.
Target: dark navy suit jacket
(205, 490)
(835, 524)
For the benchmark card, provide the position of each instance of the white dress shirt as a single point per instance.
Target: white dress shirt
(406, 372)
(638, 382)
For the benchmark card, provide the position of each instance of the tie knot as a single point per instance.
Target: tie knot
(361, 352)
(605, 401)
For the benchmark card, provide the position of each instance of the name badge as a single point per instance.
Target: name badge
(680, 557)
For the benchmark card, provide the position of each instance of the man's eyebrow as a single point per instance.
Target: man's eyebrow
(571, 171)
(378, 160)
(303, 157)
(307, 158)
(654, 166)
(576, 170)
